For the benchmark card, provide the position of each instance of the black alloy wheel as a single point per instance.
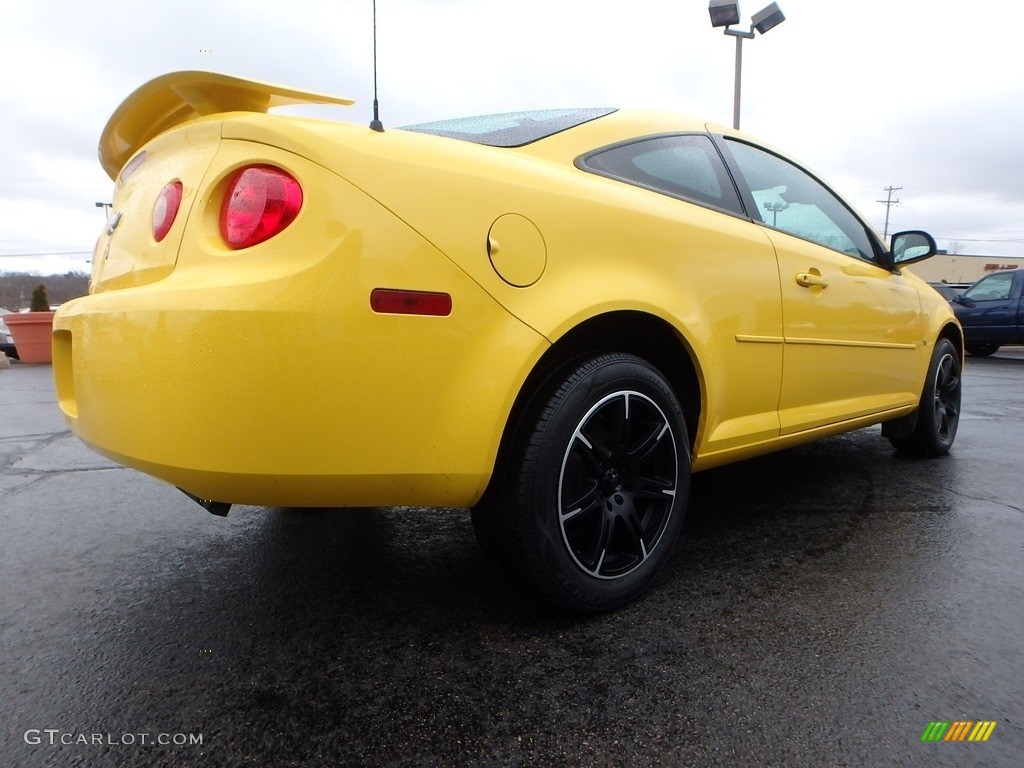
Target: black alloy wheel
(617, 485)
(599, 482)
(938, 413)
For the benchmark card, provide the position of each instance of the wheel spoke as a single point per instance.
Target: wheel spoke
(618, 428)
(603, 542)
(635, 528)
(592, 454)
(946, 421)
(649, 444)
(656, 489)
(947, 413)
(588, 502)
(950, 387)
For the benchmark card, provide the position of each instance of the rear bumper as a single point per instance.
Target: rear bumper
(292, 391)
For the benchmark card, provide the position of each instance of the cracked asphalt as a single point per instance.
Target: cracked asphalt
(824, 606)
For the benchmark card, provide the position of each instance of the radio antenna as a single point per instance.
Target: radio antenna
(375, 124)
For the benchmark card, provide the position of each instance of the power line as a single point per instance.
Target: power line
(976, 239)
(888, 203)
(43, 253)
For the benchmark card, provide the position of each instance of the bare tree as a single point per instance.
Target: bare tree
(16, 288)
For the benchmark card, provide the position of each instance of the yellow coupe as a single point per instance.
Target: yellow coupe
(551, 317)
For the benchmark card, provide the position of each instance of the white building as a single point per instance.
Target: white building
(963, 268)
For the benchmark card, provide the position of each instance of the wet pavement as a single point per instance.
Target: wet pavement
(824, 607)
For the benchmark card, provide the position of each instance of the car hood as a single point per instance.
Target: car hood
(178, 97)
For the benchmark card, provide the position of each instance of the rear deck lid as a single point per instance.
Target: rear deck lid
(128, 252)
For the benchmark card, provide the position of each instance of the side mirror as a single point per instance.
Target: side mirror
(961, 299)
(910, 247)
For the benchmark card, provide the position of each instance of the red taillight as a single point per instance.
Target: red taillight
(260, 201)
(165, 209)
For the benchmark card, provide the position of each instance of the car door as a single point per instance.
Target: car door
(852, 328)
(988, 309)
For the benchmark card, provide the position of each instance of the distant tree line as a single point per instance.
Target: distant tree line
(16, 288)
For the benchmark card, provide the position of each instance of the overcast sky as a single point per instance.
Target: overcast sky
(870, 94)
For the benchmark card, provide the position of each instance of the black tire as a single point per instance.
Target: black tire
(938, 413)
(597, 484)
(982, 350)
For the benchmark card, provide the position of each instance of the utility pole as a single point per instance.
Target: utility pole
(888, 203)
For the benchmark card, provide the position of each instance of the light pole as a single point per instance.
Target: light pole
(725, 13)
(776, 209)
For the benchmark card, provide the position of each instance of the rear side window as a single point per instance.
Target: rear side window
(687, 166)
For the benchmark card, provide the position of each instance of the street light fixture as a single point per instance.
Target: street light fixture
(725, 13)
(767, 18)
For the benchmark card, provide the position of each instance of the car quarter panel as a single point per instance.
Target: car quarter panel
(245, 376)
(712, 277)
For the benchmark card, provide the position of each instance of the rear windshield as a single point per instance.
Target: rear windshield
(512, 129)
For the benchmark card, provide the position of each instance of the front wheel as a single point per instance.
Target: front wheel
(938, 413)
(599, 483)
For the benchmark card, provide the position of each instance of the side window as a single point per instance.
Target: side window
(991, 288)
(792, 200)
(682, 166)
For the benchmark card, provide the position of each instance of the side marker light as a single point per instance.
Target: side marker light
(391, 301)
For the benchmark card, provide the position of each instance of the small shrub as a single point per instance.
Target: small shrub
(40, 301)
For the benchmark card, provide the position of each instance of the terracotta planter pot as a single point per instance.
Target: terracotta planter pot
(32, 332)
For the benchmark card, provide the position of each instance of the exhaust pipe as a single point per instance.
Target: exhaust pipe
(219, 508)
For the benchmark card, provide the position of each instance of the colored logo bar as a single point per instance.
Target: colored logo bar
(958, 730)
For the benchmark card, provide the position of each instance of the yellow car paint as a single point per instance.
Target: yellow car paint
(195, 377)
(263, 376)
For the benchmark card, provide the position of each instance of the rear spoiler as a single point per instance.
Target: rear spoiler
(178, 97)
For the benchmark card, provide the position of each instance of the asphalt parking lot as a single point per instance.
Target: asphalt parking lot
(825, 606)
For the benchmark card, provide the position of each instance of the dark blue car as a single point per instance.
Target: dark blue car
(992, 312)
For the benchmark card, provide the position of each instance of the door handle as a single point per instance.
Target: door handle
(811, 280)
